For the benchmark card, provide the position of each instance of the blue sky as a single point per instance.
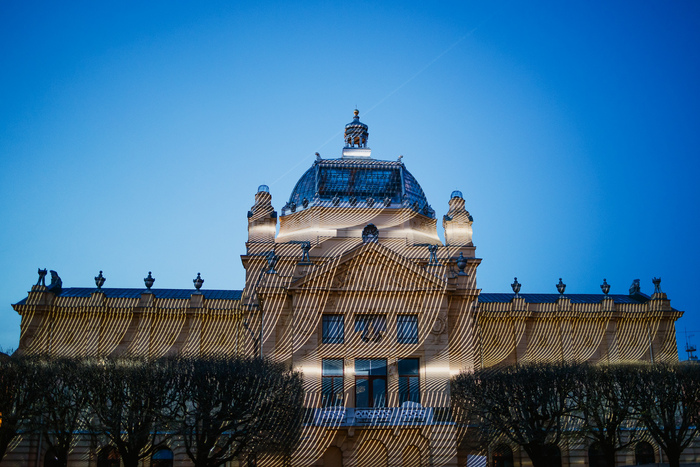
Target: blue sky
(133, 135)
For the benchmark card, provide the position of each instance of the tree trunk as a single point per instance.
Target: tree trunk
(536, 456)
(609, 456)
(674, 458)
(130, 461)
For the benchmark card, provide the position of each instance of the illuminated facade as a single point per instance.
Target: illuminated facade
(352, 285)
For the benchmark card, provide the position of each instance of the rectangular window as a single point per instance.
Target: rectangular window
(370, 383)
(371, 327)
(407, 329)
(332, 382)
(409, 382)
(333, 329)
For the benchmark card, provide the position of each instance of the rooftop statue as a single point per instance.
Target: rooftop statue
(56, 285)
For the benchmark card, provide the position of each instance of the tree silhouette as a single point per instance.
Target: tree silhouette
(61, 410)
(131, 400)
(526, 404)
(231, 406)
(605, 404)
(18, 394)
(668, 404)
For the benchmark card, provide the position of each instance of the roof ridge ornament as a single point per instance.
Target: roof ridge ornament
(100, 280)
(516, 287)
(561, 287)
(198, 281)
(149, 280)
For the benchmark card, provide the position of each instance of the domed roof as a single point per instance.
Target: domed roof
(365, 183)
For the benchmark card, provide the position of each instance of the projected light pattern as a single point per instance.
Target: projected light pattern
(89, 323)
(358, 293)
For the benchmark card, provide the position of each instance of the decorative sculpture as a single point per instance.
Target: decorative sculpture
(516, 287)
(100, 280)
(198, 281)
(370, 234)
(605, 287)
(42, 277)
(56, 284)
(561, 287)
(432, 261)
(461, 264)
(336, 200)
(635, 288)
(657, 284)
(305, 203)
(305, 248)
(271, 262)
(149, 280)
(370, 202)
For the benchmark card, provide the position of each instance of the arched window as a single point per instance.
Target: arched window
(596, 456)
(108, 457)
(162, 458)
(644, 453)
(51, 459)
(502, 456)
(552, 456)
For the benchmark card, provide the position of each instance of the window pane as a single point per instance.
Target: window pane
(408, 366)
(379, 392)
(333, 329)
(414, 389)
(362, 367)
(332, 367)
(407, 329)
(403, 390)
(361, 393)
(332, 390)
(378, 367)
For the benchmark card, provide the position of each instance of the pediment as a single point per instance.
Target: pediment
(369, 267)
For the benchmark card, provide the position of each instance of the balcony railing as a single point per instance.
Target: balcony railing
(408, 414)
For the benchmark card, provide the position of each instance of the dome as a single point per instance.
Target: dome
(358, 183)
(456, 194)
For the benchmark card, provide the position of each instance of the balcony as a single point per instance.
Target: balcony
(410, 413)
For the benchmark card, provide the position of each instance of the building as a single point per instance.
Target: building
(352, 285)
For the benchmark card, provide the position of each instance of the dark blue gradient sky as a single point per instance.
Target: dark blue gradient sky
(133, 135)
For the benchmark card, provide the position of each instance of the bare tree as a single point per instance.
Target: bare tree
(18, 394)
(668, 404)
(526, 404)
(60, 412)
(228, 407)
(130, 400)
(605, 404)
